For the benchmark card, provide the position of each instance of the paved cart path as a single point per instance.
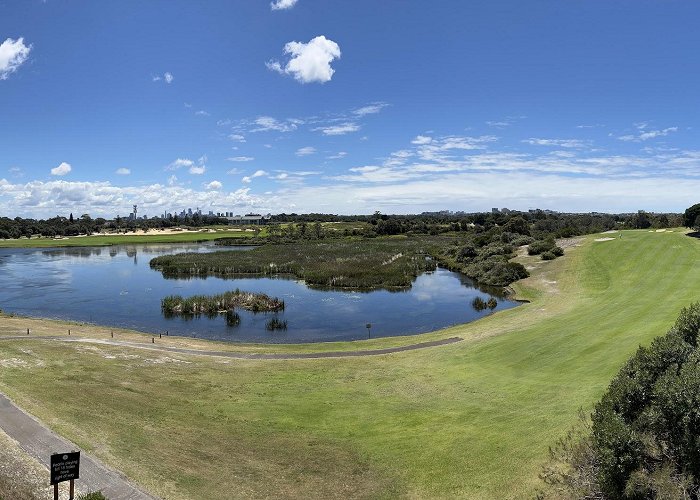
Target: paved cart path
(246, 355)
(41, 442)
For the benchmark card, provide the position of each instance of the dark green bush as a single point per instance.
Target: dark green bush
(548, 255)
(646, 428)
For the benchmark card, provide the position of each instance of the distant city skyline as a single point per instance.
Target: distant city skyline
(348, 107)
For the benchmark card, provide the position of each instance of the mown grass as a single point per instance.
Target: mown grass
(471, 420)
(336, 263)
(121, 239)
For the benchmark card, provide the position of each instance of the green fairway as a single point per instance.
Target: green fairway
(124, 239)
(472, 419)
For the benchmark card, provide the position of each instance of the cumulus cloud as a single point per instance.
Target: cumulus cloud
(214, 185)
(422, 139)
(63, 169)
(341, 129)
(13, 53)
(237, 137)
(282, 4)
(306, 151)
(195, 168)
(123, 171)
(308, 62)
(179, 163)
(249, 178)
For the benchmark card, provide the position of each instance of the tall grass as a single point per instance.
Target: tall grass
(346, 263)
(176, 305)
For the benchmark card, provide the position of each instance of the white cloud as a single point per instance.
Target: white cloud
(168, 78)
(240, 158)
(201, 112)
(179, 163)
(422, 139)
(337, 156)
(648, 134)
(560, 143)
(246, 180)
(309, 62)
(123, 171)
(282, 4)
(237, 138)
(370, 109)
(214, 185)
(342, 129)
(268, 123)
(63, 169)
(195, 168)
(172, 180)
(13, 53)
(259, 173)
(306, 151)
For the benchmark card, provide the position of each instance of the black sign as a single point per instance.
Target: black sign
(65, 466)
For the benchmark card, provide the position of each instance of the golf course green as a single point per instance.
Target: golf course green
(473, 419)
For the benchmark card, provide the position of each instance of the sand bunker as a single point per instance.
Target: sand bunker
(604, 239)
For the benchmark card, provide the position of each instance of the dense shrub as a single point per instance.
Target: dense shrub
(645, 434)
(540, 246)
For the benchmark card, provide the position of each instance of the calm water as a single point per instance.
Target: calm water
(114, 286)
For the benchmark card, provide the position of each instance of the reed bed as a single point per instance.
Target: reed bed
(225, 303)
(347, 263)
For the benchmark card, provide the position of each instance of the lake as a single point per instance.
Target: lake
(114, 286)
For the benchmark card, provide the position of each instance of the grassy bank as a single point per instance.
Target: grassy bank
(339, 263)
(472, 419)
(123, 239)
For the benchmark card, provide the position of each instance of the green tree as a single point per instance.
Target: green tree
(690, 218)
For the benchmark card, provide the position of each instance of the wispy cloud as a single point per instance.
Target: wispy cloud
(167, 78)
(268, 123)
(306, 151)
(240, 158)
(644, 133)
(370, 109)
(558, 143)
(123, 171)
(341, 129)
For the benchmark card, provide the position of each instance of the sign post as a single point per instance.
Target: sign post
(65, 467)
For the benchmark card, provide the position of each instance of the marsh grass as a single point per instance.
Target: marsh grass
(276, 324)
(392, 262)
(225, 303)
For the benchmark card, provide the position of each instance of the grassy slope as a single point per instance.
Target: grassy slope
(472, 419)
(121, 239)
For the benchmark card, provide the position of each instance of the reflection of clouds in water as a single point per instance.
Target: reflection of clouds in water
(124, 292)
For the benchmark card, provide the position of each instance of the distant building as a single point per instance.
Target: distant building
(256, 219)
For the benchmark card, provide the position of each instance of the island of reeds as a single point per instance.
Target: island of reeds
(225, 303)
(340, 263)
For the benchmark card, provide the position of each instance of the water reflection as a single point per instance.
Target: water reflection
(115, 286)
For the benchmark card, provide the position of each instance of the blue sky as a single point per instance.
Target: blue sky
(348, 107)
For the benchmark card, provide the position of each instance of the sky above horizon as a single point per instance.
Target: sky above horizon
(348, 107)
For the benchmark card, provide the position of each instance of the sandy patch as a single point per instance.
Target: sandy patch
(610, 232)
(569, 242)
(660, 230)
(605, 239)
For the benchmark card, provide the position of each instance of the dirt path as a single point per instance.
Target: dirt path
(40, 442)
(243, 355)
